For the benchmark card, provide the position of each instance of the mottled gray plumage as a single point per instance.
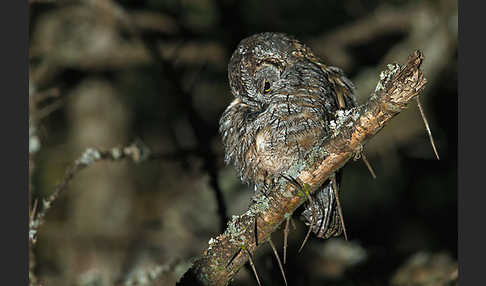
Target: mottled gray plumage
(285, 98)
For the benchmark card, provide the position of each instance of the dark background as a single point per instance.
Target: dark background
(104, 73)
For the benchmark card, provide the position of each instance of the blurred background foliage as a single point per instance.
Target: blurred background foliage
(104, 73)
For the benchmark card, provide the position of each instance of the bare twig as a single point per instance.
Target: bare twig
(253, 267)
(424, 118)
(368, 165)
(286, 235)
(137, 152)
(46, 111)
(338, 202)
(293, 224)
(278, 259)
(311, 201)
(256, 231)
(397, 86)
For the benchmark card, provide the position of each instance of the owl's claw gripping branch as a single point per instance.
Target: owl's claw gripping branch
(397, 86)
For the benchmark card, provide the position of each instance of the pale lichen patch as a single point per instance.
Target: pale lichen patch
(89, 156)
(386, 76)
(343, 118)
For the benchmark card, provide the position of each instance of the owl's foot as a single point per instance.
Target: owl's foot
(304, 189)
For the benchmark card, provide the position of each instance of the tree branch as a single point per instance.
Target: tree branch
(352, 129)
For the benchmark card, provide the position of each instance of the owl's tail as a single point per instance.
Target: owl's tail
(324, 205)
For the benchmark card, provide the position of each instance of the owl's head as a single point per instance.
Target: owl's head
(258, 66)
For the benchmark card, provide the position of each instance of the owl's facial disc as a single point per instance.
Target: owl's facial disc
(256, 65)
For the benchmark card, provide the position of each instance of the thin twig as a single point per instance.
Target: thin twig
(278, 259)
(46, 111)
(33, 210)
(293, 224)
(233, 257)
(336, 195)
(313, 209)
(40, 96)
(137, 151)
(286, 235)
(424, 118)
(253, 267)
(256, 230)
(368, 165)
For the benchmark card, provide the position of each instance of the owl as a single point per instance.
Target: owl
(284, 100)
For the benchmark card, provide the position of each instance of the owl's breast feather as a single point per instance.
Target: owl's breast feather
(284, 141)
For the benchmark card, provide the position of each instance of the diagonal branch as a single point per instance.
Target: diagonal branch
(352, 129)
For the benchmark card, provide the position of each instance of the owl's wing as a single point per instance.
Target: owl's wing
(342, 87)
(238, 133)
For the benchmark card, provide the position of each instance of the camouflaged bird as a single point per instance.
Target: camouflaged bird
(285, 99)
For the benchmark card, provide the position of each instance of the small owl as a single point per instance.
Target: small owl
(285, 99)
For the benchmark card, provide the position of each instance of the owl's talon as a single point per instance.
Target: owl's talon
(298, 186)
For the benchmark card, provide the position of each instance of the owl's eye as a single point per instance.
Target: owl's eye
(266, 87)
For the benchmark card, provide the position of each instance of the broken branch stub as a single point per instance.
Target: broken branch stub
(396, 87)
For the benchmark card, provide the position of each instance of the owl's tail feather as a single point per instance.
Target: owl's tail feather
(327, 211)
